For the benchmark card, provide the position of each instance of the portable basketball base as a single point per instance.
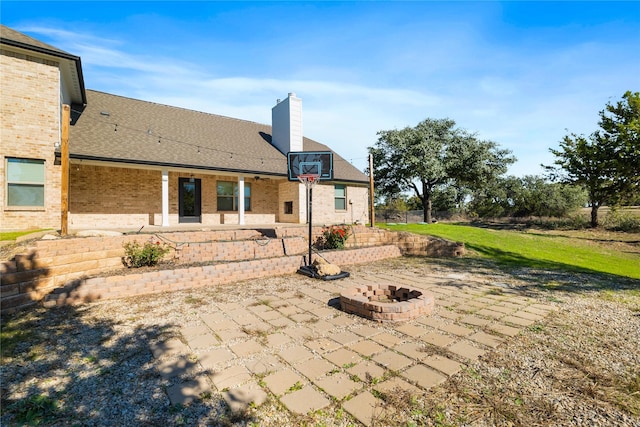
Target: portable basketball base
(309, 168)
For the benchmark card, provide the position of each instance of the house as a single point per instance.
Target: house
(133, 163)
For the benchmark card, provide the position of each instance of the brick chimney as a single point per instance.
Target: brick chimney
(286, 124)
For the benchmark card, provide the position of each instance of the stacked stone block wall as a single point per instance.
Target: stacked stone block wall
(92, 289)
(417, 245)
(372, 302)
(361, 255)
(70, 263)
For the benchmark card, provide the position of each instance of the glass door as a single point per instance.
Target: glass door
(189, 200)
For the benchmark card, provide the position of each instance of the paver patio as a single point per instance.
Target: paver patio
(304, 351)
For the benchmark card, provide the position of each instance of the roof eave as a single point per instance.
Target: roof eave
(135, 162)
(58, 54)
(148, 163)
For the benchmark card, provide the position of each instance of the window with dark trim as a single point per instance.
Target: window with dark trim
(228, 196)
(340, 191)
(25, 182)
(288, 208)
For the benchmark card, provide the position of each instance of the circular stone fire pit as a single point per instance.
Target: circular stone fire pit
(386, 303)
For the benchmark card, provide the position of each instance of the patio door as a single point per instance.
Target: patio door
(189, 200)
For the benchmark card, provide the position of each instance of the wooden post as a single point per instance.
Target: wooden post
(372, 208)
(64, 165)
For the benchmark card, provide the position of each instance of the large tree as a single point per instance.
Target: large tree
(606, 162)
(431, 154)
(620, 132)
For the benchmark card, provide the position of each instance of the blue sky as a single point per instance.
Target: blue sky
(522, 74)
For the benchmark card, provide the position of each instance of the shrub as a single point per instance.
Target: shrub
(35, 410)
(573, 222)
(617, 220)
(149, 254)
(335, 237)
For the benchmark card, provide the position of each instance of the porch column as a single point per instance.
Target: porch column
(165, 198)
(241, 200)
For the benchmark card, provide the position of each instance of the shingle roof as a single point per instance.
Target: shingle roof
(118, 129)
(13, 37)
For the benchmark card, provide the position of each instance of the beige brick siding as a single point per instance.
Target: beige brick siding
(324, 211)
(107, 197)
(30, 115)
(293, 192)
(110, 197)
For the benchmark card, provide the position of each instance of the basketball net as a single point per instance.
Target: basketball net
(309, 180)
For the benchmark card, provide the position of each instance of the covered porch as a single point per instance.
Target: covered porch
(107, 195)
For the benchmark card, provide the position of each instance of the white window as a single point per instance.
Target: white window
(228, 196)
(25, 182)
(340, 197)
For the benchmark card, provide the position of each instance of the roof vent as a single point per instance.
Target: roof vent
(104, 113)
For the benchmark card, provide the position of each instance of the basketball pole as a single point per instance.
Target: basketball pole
(310, 221)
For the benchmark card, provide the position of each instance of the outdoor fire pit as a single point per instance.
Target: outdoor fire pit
(386, 303)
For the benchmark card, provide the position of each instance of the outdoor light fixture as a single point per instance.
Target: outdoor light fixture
(57, 160)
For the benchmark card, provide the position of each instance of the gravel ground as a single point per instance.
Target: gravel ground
(91, 365)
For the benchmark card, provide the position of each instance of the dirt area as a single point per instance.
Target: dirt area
(578, 366)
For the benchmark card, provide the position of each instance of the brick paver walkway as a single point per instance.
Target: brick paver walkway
(301, 349)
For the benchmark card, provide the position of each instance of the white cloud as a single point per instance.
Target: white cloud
(376, 74)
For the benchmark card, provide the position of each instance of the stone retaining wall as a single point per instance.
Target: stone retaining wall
(93, 289)
(67, 264)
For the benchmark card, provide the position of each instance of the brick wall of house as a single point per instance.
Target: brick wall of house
(106, 197)
(292, 192)
(264, 197)
(325, 212)
(109, 197)
(30, 111)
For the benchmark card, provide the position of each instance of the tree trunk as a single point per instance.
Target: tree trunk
(426, 204)
(594, 215)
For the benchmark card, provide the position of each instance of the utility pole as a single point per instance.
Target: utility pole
(372, 209)
(64, 166)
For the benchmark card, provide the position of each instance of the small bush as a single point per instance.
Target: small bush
(574, 222)
(335, 237)
(35, 410)
(149, 254)
(617, 220)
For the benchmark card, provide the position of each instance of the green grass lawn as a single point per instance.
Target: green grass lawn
(13, 235)
(531, 249)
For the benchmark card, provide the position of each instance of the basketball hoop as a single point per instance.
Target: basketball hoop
(309, 180)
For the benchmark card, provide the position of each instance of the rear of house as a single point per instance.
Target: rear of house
(135, 163)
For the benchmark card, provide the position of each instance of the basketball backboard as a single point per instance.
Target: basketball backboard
(310, 163)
